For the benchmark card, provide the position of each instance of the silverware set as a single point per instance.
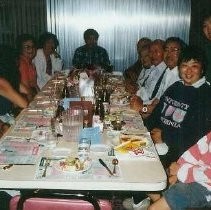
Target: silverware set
(114, 162)
(47, 163)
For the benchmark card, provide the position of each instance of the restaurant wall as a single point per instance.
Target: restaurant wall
(120, 23)
(21, 16)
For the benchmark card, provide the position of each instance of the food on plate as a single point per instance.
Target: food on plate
(71, 164)
(133, 138)
(130, 143)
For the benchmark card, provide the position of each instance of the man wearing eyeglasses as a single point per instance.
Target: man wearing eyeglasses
(172, 49)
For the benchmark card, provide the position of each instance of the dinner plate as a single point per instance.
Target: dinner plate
(135, 131)
(54, 81)
(117, 73)
(43, 102)
(58, 167)
(99, 149)
(61, 152)
(132, 144)
(142, 153)
(121, 104)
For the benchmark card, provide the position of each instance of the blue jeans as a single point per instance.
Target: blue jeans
(192, 195)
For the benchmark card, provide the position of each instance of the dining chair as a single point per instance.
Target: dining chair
(58, 201)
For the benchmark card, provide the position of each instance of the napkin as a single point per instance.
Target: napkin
(65, 102)
(86, 86)
(91, 133)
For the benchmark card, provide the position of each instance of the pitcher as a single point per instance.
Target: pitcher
(72, 123)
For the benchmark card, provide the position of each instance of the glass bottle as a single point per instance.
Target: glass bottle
(101, 110)
(97, 107)
(65, 92)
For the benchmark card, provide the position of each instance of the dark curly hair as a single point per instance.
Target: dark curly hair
(90, 32)
(193, 53)
(23, 38)
(177, 40)
(47, 36)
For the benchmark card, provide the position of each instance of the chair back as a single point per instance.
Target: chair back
(58, 201)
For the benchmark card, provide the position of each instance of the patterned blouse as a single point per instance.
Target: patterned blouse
(85, 56)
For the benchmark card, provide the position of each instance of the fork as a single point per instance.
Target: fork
(46, 166)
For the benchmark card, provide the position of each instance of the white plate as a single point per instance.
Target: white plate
(61, 152)
(99, 148)
(55, 81)
(117, 73)
(127, 146)
(142, 153)
(135, 131)
(57, 166)
(120, 104)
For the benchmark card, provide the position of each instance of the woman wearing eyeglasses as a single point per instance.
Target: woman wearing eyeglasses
(26, 46)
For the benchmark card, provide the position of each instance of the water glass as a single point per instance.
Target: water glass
(51, 139)
(84, 148)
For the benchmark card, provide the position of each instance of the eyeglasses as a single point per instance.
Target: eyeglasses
(175, 50)
(28, 47)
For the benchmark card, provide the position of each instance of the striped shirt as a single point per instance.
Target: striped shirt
(195, 163)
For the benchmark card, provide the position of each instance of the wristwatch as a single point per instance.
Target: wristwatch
(144, 108)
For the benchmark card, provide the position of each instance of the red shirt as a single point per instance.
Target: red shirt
(27, 71)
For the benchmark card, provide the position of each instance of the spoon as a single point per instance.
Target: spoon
(115, 163)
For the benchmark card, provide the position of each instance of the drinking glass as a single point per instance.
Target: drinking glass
(84, 148)
(72, 122)
(51, 139)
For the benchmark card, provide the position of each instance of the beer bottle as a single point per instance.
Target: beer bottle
(65, 92)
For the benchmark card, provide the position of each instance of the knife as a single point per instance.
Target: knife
(47, 163)
(107, 168)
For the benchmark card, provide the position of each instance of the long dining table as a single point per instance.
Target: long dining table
(25, 170)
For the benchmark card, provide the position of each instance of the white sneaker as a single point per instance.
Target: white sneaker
(129, 204)
(143, 205)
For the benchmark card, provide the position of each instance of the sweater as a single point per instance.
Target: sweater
(184, 115)
(195, 163)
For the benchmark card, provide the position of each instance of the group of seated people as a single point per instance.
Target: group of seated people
(168, 88)
(26, 68)
(173, 97)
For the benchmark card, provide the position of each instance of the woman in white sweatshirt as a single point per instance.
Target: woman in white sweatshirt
(47, 60)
